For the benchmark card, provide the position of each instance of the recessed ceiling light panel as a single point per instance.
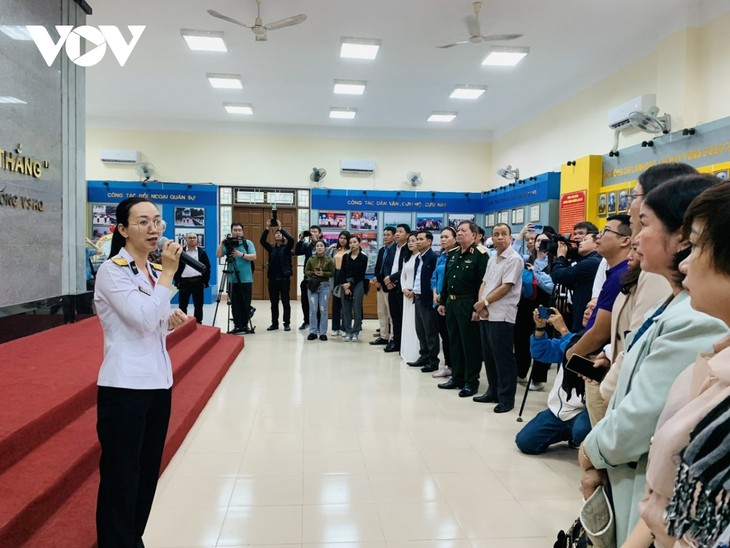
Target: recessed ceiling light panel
(16, 32)
(343, 113)
(350, 87)
(359, 48)
(442, 117)
(468, 92)
(225, 81)
(239, 108)
(204, 40)
(504, 56)
(12, 100)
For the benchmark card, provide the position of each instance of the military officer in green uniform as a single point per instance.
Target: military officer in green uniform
(464, 272)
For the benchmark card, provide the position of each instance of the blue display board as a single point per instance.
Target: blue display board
(185, 208)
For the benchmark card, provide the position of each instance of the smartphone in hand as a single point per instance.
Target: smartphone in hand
(584, 366)
(544, 313)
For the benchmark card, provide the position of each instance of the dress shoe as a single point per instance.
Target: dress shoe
(485, 398)
(287, 328)
(304, 326)
(391, 347)
(503, 408)
(312, 336)
(323, 337)
(378, 341)
(272, 327)
(247, 331)
(467, 392)
(450, 385)
(235, 331)
(418, 363)
(429, 368)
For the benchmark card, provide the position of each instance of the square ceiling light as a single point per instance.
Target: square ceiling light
(225, 81)
(350, 87)
(11, 100)
(16, 32)
(343, 113)
(467, 91)
(239, 108)
(442, 117)
(504, 56)
(204, 40)
(359, 48)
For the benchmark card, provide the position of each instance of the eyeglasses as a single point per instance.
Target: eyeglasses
(636, 195)
(603, 232)
(144, 224)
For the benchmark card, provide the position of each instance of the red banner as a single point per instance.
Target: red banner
(572, 210)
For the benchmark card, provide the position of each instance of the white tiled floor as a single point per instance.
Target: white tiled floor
(310, 443)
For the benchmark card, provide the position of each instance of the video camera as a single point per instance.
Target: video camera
(230, 243)
(551, 246)
(274, 216)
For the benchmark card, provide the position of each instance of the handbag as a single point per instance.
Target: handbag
(596, 516)
(337, 291)
(574, 537)
(313, 283)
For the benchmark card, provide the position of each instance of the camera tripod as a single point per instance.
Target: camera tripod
(225, 286)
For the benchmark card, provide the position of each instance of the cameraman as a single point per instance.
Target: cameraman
(240, 255)
(279, 273)
(575, 268)
(307, 249)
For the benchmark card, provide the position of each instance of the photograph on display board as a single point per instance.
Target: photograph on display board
(456, 218)
(504, 217)
(363, 220)
(392, 218)
(491, 219)
(369, 246)
(330, 237)
(332, 219)
(100, 231)
(189, 216)
(181, 233)
(611, 208)
(429, 222)
(602, 205)
(623, 201)
(535, 213)
(103, 214)
(518, 216)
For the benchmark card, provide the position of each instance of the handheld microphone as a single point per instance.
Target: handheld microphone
(184, 258)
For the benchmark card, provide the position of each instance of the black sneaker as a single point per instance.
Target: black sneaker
(272, 327)
(323, 337)
(312, 336)
(236, 331)
(287, 328)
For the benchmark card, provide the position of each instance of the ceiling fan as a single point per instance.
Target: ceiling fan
(475, 31)
(258, 28)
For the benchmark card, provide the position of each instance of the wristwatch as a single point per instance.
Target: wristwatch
(486, 303)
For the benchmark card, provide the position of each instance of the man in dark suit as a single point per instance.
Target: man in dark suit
(426, 321)
(382, 268)
(191, 282)
(392, 283)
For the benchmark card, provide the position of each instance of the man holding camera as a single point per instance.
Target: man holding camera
(191, 282)
(279, 272)
(575, 268)
(240, 255)
(307, 249)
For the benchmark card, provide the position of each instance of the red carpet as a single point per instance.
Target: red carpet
(48, 448)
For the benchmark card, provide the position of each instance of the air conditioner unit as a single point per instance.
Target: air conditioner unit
(357, 166)
(111, 156)
(618, 117)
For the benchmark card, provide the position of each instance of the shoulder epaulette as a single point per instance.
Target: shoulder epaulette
(120, 261)
(157, 266)
(481, 249)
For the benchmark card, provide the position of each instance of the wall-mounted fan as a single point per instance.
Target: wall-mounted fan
(650, 122)
(318, 173)
(414, 177)
(258, 28)
(509, 173)
(145, 170)
(475, 31)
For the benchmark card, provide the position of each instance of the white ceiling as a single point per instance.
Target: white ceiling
(289, 78)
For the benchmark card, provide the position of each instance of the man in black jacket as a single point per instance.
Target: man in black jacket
(392, 284)
(191, 282)
(426, 321)
(279, 273)
(382, 268)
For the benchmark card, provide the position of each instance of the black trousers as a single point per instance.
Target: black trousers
(131, 425)
(499, 360)
(427, 331)
(241, 303)
(337, 305)
(395, 304)
(279, 290)
(191, 286)
(466, 349)
(524, 328)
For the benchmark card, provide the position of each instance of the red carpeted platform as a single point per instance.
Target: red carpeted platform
(48, 448)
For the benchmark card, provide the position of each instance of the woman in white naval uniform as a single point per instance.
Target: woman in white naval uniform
(132, 299)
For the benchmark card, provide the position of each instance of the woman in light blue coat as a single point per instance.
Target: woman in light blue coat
(673, 334)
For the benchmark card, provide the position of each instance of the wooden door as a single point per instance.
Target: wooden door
(255, 220)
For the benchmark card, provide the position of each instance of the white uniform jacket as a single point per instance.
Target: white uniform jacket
(133, 314)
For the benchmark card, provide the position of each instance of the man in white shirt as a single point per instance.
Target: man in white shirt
(499, 296)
